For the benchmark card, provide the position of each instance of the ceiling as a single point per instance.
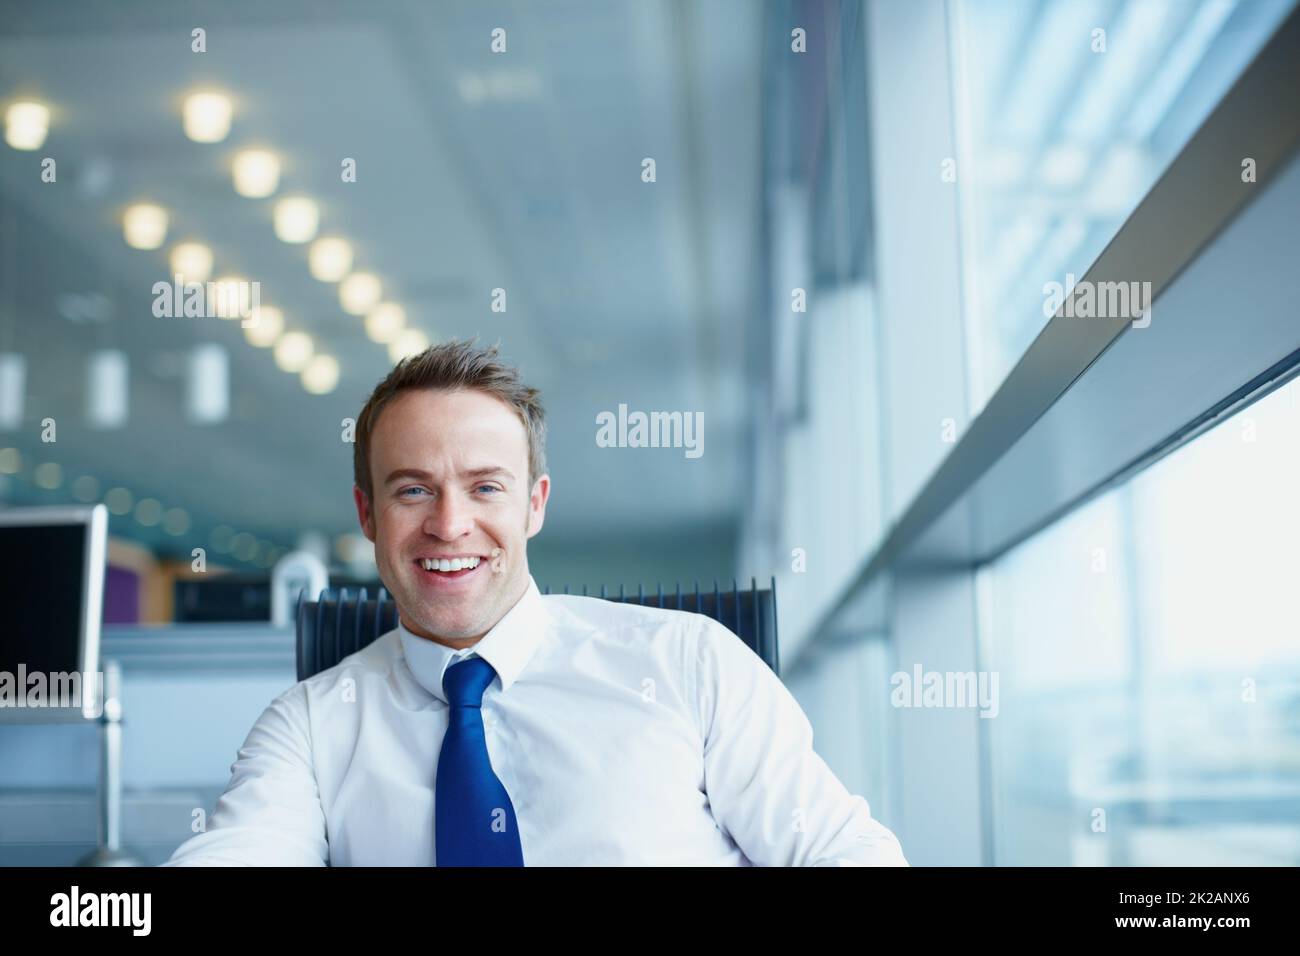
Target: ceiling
(618, 291)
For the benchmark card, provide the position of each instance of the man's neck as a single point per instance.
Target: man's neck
(460, 643)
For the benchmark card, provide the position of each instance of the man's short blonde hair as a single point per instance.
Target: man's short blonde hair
(451, 366)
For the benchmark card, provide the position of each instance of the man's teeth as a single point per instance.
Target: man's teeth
(455, 564)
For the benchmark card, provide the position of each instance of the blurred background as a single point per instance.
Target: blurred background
(824, 226)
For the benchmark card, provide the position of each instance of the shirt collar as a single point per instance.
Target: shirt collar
(508, 646)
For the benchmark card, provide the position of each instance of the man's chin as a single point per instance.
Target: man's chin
(437, 622)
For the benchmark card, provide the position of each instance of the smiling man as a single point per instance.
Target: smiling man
(456, 495)
(498, 727)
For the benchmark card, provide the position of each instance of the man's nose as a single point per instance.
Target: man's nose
(446, 518)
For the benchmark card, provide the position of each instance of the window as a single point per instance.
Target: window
(1067, 114)
(1149, 665)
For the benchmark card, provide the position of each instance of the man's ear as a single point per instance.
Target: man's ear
(365, 515)
(537, 504)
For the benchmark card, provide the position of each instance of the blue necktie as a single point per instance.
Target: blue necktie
(474, 820)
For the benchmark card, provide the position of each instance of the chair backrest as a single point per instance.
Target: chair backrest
(343, 622)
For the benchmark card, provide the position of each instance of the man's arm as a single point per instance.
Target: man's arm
(270, 813)
(766, 785)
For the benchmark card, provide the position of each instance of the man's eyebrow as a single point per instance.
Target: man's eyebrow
(488, 471)
(401, 473)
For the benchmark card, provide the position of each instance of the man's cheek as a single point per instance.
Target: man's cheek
(392, 525)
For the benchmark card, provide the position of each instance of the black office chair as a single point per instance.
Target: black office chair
(339, 623)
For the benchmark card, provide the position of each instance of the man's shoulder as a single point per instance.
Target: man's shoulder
(581, 611)
(638, 631)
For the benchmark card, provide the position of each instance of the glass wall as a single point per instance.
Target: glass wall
(1149, 702)
(1150, 667)
(1068, 113)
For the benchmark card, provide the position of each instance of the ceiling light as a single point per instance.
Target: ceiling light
(26, 124)
(192, 261)
(293, 351)
(1064, 165)
(321, 376)
(144, 226)
(267, 329)
(385, 321)
(176, 521)
(207, 385)
(13, 387)
(48, 475)
(296, 219)
(243, 546)
(504, 86)
(232, 297)
(256, 173)
(206, 117)
(360, 292)
(407, 343)
(107, 388)
(148, 511)
(119, 500)
(86, 488)
(330, 259)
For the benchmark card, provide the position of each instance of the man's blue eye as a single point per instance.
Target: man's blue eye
(417, 490)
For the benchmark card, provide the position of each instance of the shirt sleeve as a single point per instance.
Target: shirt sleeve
(270, 813)
(767, 787)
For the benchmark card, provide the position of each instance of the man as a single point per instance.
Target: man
(496, 726)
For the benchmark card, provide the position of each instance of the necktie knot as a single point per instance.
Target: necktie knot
(465, 681)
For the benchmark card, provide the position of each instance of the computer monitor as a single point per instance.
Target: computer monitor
(52, 565)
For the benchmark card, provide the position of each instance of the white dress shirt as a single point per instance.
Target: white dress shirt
(624, 735)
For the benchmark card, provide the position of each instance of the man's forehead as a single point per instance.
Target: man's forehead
(467, 429)
(437, 409)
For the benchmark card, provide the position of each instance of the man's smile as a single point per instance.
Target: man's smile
(449, 573)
